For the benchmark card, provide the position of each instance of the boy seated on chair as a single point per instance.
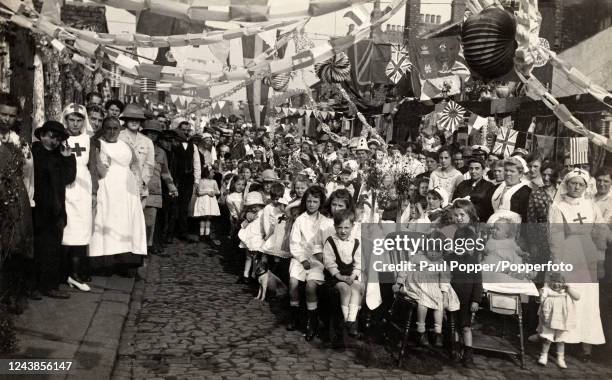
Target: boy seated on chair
(342, 259)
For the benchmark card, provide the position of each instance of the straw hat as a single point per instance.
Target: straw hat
(133, 112)
(269, 175)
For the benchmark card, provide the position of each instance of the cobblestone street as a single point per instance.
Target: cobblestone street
(189, 320)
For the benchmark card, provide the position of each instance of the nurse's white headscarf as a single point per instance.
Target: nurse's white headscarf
(577, 172)
(81, 110)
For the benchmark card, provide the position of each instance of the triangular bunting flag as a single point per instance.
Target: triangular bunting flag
(221, 104)
(324, 114)
(260, 107)
(332, 114)
(292, 111)
(285, 111)
(277, 109)
(301, 111)
(316, 113)
(308, 114)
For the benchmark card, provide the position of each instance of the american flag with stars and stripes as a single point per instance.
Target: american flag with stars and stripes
(579, 150)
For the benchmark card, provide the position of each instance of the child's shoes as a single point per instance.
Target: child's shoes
(561, 361)
(422, 340)
(543, 360)
(439, 341)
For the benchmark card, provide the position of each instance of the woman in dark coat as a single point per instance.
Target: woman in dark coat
(54, 169)
(15, 228)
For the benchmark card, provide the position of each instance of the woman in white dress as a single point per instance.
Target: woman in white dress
(119, 236)
(578, 235)
(446, 176)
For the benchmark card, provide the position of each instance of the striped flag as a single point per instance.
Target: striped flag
(579, 150)
(358, 15)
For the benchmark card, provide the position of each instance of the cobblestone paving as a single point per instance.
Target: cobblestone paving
(189, 320)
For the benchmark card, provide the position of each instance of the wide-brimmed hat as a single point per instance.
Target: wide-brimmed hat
(52, 126)
(169, 133)
(254, 198)
(133, 112)
(152, 126)
(269, 175)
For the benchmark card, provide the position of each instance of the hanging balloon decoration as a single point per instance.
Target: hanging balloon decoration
(337, 69)
(488, 42)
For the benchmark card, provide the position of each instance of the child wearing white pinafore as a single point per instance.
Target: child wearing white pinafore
(206, 205)
(557, 315)
(429, 288)
(251, 233)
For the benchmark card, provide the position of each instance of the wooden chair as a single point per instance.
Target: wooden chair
(505, 305)
(399, 318)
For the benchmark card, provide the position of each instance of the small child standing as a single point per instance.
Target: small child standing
(251, 233)
(273, 222)
(468, 286)
(557, 316)
(342, 259)
(206, 205)
(429, 288)
(234, 203)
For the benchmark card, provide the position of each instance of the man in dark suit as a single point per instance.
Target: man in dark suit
(188, 173)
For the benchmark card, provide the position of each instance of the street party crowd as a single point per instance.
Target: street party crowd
(109, 184)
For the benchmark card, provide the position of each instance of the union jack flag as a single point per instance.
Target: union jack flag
(398, 64)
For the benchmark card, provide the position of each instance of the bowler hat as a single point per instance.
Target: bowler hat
(52, 126)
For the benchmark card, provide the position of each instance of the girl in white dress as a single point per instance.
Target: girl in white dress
(206, 205)
(446, 176)
(119, 226)
(251, 234)
(429, 288)
(234, 202)
(557, 315)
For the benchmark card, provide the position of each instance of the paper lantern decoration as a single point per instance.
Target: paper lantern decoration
(278, 82)
(488, 42)
(451, 116)
(337, 69)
